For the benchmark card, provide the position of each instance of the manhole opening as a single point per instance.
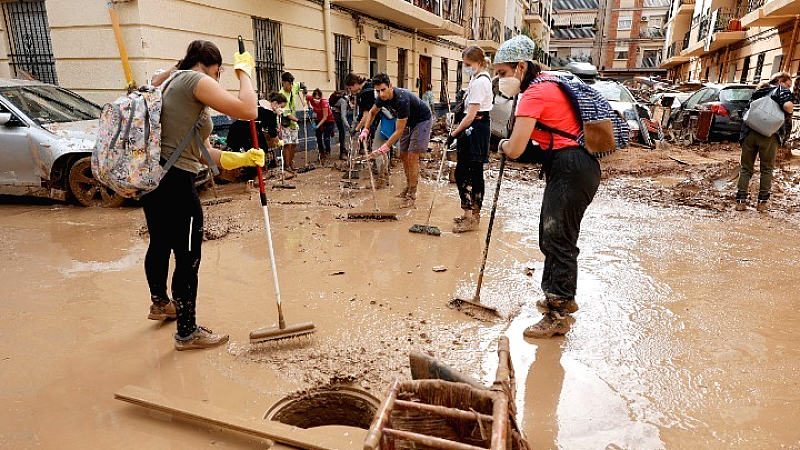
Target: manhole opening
(337, 406)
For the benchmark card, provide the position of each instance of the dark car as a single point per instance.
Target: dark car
(726, 101)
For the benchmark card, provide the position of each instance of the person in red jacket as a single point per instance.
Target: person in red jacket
(324, 122)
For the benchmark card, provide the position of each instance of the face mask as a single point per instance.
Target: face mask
(469, 71)
(280, 111)
(509, 86)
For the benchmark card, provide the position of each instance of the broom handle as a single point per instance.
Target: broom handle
(441, 164)
(491, 223)
(263, 195)
(371, 178)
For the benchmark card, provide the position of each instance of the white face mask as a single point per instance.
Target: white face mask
(469, 71)
(509, 86)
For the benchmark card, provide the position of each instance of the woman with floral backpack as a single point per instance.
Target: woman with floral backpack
(173, 212)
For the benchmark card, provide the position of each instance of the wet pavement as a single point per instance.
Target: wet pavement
(687, 334)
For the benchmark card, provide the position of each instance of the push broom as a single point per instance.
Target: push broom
(281, 331)
(376, 213)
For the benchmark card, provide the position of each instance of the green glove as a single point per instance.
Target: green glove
(235, 160)
(244, 62)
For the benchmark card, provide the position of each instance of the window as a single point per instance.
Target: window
(759, 67)
(268, 55)
(373, 61)
(343, 60)
(401, 67)
(621, 54)
(443, 97)
(776, 64)
(745, 70)
(624, 22)
(736, 94)
(459, 75)
(30, 48)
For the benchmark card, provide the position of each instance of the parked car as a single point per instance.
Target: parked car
(623, 102)
(47, 134)
(726, 101)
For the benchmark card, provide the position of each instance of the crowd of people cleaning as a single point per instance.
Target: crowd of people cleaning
(384, 118)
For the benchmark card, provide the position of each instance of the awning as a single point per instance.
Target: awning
(583, 18)
(561, 19)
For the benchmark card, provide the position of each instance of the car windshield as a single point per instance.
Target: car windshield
(50, 104)
(736, 94)
(613, 92)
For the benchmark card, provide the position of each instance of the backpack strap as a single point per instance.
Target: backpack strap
(193, 133)
(575, 109)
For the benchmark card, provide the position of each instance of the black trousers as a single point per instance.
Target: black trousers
(572, 182)
(473, 152)
(175, 224)
(342, 135)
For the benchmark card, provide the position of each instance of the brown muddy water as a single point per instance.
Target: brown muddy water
(688, 334)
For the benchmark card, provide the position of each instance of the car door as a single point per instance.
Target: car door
(690, 103)
(17, 162)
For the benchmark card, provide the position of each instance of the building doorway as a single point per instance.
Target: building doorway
(424, 74)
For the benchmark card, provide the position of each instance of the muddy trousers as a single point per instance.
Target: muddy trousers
(324, 134)
(471, 186)
(765, 148)
(572, 182)
(175, 224)
(343, 150)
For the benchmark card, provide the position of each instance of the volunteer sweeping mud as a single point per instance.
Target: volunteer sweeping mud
(172, 211)
(240, 137)
(473, 139)
(413, 130)
(573, 176)
(324, 124)
(364, 91)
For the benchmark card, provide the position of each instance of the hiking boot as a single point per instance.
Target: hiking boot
(201, 337)
(762, 206)
(467, 224)
(552, 324)
(741, 205)
(408, 202)
(162, 311)
(562, 305)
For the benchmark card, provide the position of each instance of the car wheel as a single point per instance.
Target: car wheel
(87, 190)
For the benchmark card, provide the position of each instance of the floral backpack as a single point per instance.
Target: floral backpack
(127, 153)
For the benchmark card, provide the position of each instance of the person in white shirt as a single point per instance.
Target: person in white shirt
(472, 134)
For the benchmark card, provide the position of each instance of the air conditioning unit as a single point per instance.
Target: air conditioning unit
(645, 18)
(383, 34)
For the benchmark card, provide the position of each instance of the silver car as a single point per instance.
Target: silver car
(46, 140)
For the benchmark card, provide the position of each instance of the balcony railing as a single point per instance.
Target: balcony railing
(703, 28)
(649, 63)
(686, 40)
(651, 33)
(509, 33)
(432, 6)
(538, 8)
(686, 2)
(489, 29)
(563, 61)
(754, 5)
(452, 11)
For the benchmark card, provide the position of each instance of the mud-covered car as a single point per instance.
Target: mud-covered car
(47, 135)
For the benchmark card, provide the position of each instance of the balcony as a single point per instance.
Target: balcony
(721, 33)
(673, 57)
(652, 33)
(563, 61)
(538, 13)
(686, 37)
(648, 63)
(770, 13)
(489, 35)
(433, 17)
(685, 7)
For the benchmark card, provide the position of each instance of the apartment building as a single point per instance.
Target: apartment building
(623, 38)
(575, 36)
(731, 41)
(417, 42)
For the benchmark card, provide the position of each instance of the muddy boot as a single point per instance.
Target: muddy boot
(403, 193)
(202, 337)
(552, 324)
(467, 224)
(381, 183)
(763, 206)
(561, 305)
(741, 205)
(162, 309)
(411, 197)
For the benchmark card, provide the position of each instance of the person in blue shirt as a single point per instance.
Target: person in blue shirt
(412, 130)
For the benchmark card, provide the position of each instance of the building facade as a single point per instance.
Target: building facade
(575, 34)
(417, 42)
(727, 41)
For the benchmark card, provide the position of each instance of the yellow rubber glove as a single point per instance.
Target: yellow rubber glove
(244, 62)
(234, 160)
(281, 143)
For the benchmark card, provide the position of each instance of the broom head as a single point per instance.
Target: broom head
(276, 333)
(425, 229)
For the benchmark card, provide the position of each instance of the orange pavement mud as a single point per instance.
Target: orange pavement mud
(687, 336)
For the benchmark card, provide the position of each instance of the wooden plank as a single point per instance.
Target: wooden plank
(217, 417)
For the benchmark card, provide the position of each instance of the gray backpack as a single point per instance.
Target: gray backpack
(765, 115)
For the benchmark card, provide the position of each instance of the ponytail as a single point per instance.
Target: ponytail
(353, 78)
(203, 52)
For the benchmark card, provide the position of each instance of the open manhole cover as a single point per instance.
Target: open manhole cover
(344, 406)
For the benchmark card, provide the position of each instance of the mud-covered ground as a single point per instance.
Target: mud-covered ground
(686, 337)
